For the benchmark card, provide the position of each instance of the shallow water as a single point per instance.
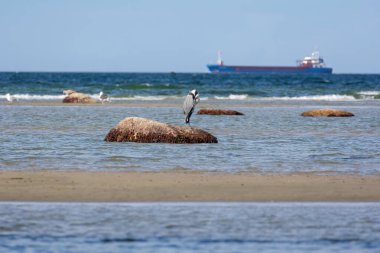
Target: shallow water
(206, 227)
(268, 138)
(39, 132)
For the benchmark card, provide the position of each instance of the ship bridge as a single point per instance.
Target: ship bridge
(314, 61)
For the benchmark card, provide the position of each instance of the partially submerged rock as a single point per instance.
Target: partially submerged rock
(76, 97)
(134, 129)
(218, 112)
(327, 113)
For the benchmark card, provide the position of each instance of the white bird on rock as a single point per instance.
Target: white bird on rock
(188, 106)
(103, 97)
(10, 98)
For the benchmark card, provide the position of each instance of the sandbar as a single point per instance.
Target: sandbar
(185, 186)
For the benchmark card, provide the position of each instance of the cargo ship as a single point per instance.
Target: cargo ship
(313, 64)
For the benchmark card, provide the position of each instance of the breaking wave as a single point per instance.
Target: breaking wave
(234, 97)
(356, 96)
(331, 97)
(28, 97)
(368, 95)
(317, 98)
(145, 98)
(34, 97)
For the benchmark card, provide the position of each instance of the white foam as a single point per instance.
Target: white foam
(28, 97)
(234, 97)
(332, 97)
(35, 97)
(146, 98)
(369, 93)
(363, 95)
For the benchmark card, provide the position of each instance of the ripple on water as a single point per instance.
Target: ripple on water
(242, 227)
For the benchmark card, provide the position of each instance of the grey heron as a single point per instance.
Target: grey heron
(188, 106)
(103, 97)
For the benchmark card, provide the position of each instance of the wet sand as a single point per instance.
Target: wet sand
(184, 186)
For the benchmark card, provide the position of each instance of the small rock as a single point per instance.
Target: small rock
(218, 112)
(134, 129)
(327, 113)
(76, 97)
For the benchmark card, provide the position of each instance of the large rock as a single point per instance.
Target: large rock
(218, 112)
(134, 129)
(76, 97)
(327, 113)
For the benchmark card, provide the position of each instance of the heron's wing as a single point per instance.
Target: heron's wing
(188, 104)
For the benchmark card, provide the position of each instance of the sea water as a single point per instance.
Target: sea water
(38, 132)
(191, 227)
(266, 139)
(127, 86)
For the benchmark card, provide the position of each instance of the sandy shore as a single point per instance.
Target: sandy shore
(184, 186)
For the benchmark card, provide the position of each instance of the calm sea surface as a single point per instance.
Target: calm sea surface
(192, 227)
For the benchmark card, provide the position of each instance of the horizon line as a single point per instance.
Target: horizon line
(167, 72)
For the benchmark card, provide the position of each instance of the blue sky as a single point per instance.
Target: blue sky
(183, 36)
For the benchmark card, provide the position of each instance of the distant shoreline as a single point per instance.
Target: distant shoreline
(185, 186)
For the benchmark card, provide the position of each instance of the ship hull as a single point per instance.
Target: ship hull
(267, 70)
